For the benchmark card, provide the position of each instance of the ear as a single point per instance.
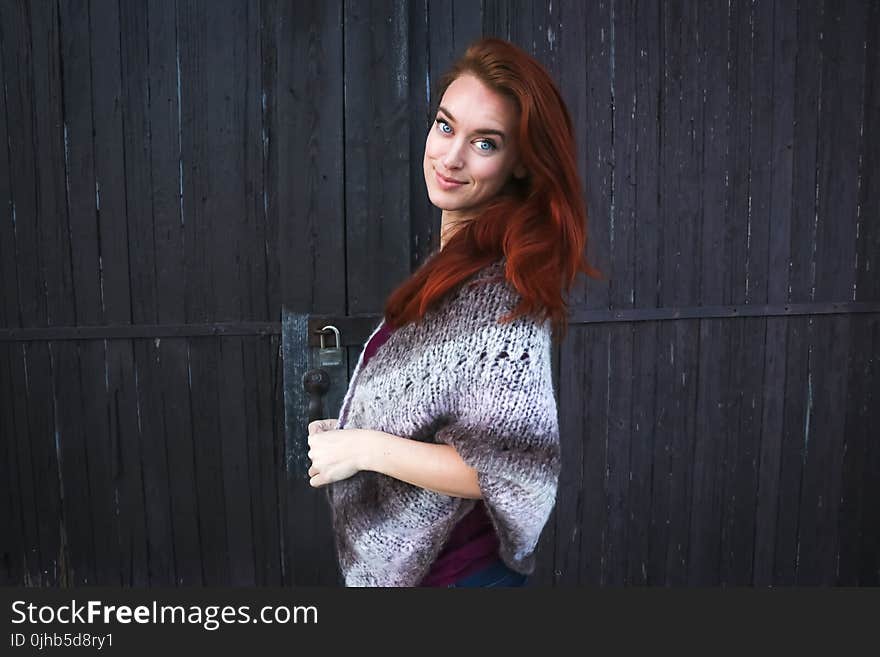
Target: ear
(520, 171)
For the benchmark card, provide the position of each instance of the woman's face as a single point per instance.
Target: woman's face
(473, 142)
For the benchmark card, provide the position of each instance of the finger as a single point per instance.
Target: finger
(315, 481)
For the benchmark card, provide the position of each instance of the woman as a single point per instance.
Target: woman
(443, 466)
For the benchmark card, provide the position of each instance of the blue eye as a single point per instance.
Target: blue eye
(492, 147)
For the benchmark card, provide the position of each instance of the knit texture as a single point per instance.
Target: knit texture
(461, 378)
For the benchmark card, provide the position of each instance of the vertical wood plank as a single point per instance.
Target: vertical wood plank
(228, 34)
(311, 205)
(61, 440)
(12, 489)
(624, 95)
(746, 283)
(799, 384)
(377, 170)
(13, 504)
(779, 217)
(309, 169)
(594, 484)
(265, 468)
(423, 79)
(168, 357)
(859, 534)
(842, 61)
(646, 265)
(570, 495)
(678, 245)
(712, 410)
(202, 289)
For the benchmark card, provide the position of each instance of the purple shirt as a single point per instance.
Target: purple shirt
(473, 544)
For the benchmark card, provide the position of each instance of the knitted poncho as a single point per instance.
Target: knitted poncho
(461, 378)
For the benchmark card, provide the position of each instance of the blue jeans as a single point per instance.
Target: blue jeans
(496, 574)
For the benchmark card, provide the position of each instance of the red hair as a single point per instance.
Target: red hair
(538, 223)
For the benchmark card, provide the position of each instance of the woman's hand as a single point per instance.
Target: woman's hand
(335, 454)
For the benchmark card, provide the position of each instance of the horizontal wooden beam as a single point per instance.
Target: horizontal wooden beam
(123, 331)
(355, 329)
(587, 316)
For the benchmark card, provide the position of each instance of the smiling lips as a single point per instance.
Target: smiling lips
(447, 183)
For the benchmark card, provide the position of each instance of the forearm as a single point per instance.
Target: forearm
(436, 467)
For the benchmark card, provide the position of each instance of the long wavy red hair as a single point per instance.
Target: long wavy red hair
(539, 223)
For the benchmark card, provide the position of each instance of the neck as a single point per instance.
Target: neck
(450, 221)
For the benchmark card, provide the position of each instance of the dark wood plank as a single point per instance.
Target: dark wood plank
(714, 356)
(749, 133)
(128, 489)
(423, 80)
(226, 75)
(138, 458)
(712, 429)
(740, 475)
(77, 363)
(858, 433)
(234, 436)
(261, 364)
(202, 289)
(25, 450)
(57, 433)
(798, 401)
(259, 299)
(738, 562)
(589, 109)
(779, 217)
(859, 534)
(646, 265)
(594, 435)
(679, 246)
(623, 243)
(203, 363)
(842, 65)
(22, 156)
(308, 176)
(868, 248)
(310, 243)
(176, 527)
(9, 301)
(70, 446)
(377, 168)
(154, 439)
(570, 500)
(797, 398)
(13, 504)
(100, 357)
(43, 457)
(869, 561)
(38, 498)
(270, 122)
(173, 385)
(496, 18)
(12, 491)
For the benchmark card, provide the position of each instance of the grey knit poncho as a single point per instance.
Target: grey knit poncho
(461, 378)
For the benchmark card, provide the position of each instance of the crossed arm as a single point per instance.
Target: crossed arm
(338, 454)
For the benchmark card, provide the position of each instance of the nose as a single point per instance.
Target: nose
(452, 158)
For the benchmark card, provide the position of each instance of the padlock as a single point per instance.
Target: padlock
(330, 356)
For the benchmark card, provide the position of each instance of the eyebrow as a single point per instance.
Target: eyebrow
(483, 131)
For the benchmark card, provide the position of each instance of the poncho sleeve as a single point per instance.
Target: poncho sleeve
(505, 426)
